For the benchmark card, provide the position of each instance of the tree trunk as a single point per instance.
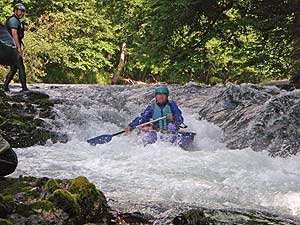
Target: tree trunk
(117, 73)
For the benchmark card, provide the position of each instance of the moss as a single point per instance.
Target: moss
(191, 217)
(43, 205)
(24, 210)
(5, 222)
(14, 122)
(94, 224)
(88, 195)
(65, 201)
(52, 185)
(41, 182)
(3, 208)
(12, 186)
(7, 205)
(18, 112)
(32, 193)
(2, 93)
(43, 102)
(31, 197)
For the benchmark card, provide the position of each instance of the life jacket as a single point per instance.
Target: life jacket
(20, 31)
(159, 112)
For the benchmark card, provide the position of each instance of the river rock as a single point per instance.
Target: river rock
(260, 117)
(21, 118)
(29, 200)
(204, 216)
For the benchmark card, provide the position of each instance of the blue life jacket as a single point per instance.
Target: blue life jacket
(159, 112)
(154, 111)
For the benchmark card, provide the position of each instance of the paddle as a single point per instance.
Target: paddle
(102, 139)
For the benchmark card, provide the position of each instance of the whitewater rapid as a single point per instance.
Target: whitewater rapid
(125, 170)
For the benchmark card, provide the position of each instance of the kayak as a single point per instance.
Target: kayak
(182, 139)
(9, 54)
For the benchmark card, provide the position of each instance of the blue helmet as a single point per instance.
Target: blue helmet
(20, 6)
(162, 90)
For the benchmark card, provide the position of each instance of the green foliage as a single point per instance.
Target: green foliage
(175, 41)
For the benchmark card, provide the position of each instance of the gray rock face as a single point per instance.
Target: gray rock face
(229, 217)
(257, 117)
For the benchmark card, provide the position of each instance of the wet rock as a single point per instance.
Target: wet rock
(29, 200)
(256, 116)
(132, 218)
(204, 216)
(20, 122)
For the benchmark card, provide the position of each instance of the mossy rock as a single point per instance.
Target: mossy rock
(65, 201)
(2, 93)
(3, 208)
(52, 185)
(89, 198)
(11, 186)
(30, 96)
(24, 210)
(73, 202)
(95, 224)
(192, 217)
(5, 222)
(43, 205)
(43, 102)
(18, 118)
(7, 205)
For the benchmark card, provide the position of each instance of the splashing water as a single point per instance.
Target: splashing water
(209, 176)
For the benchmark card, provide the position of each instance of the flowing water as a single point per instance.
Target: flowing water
(211, 175)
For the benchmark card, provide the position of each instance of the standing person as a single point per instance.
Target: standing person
(8, 158)
(16, 30)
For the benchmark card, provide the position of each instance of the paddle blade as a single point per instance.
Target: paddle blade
(100, 139)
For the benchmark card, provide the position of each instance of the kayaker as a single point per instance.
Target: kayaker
(166, 129)
(162, 106)
(8, 158)
(16, 29)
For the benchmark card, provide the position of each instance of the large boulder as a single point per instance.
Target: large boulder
(29, 200)
(260, 117)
